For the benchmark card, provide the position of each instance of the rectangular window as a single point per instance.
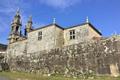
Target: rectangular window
(40, 35)
(72, 34)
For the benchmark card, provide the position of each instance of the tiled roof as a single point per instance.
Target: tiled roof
(48, 26)
(70, 27)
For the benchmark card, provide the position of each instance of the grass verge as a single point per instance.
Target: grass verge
(31, 76)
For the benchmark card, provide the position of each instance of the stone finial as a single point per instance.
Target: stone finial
(30, 19)
(87, 19)
(29, 23)
(54, 20)
(18, 11)
(17, 17)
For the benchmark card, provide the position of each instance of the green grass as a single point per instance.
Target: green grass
(28, 76)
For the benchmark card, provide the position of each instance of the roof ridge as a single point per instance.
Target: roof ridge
(70, 27)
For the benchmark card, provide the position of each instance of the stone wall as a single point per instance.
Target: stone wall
(100, 56)
(17, 48)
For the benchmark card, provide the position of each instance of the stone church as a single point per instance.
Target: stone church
(47, 37)
(54, 49)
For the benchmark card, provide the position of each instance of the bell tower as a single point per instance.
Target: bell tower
(28, 27)
(15, 28)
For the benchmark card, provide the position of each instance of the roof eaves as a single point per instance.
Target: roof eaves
(95, 29)
(41, 27)
(76, 26)
(48, 26)
(59, 26)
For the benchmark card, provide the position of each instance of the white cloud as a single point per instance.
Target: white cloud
(63, 4)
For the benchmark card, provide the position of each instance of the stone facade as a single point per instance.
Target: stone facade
(83, 33)
(47, 37)
(52, 37)
(18, 48)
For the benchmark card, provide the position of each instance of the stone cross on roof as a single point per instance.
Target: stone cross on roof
(54, 20)
(87, 19)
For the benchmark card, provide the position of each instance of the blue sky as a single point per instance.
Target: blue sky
(103, 14)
